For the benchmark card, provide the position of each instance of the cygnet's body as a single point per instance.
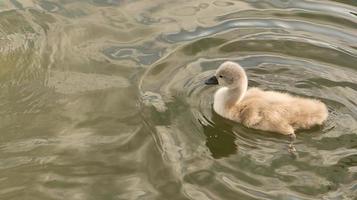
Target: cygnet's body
(263, 110)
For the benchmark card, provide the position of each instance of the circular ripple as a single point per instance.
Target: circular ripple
(299, 57)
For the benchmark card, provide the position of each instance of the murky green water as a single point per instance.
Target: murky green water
(104, 99)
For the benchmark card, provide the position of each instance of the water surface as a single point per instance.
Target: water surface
(104, 99)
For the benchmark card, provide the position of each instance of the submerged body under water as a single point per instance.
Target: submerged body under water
(104, 99)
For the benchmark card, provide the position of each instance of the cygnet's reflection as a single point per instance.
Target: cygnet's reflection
(220, 139)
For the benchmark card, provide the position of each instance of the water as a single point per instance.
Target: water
(104, 99)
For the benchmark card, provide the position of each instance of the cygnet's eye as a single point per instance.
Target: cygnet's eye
(220, 76)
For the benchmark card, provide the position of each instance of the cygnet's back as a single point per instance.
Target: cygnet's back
(277, 112)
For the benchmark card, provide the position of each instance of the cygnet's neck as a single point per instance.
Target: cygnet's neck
(227, 97)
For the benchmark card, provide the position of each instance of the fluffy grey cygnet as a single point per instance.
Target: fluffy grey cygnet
(263, 110)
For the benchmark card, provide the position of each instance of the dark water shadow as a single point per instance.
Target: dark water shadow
(220, 139)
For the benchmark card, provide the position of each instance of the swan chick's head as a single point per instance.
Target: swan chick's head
(229, 74)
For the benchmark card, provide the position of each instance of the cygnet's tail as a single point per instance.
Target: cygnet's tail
(311, 112)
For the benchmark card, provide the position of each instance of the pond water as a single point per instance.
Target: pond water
(104, 99)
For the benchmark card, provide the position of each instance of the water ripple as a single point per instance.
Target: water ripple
(104, 99)
(345, 37)
(273, 60)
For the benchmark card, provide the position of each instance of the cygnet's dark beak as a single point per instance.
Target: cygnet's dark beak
(212, 81)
